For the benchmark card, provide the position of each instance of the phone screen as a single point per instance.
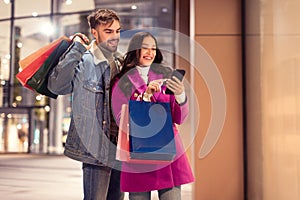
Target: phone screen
(179, 73)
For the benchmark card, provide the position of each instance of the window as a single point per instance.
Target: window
(33, 34)
(5, 10)
(65, 6)
(32, 7)
(4, 62)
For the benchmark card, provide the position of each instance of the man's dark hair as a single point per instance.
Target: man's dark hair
(102, 16)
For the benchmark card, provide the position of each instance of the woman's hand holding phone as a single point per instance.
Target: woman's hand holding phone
(175, 84)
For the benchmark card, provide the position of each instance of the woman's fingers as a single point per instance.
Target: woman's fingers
(175, 85)
(154, 86)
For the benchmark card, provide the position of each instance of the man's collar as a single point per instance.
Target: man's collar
(98, 55)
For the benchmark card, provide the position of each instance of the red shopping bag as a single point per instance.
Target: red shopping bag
(34, 61)
(123, 152)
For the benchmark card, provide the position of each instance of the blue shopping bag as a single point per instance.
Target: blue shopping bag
(151, 135)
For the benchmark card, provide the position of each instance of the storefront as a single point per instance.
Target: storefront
(30, 122)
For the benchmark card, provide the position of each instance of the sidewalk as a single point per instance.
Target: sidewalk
(47, 177)
(33, 177)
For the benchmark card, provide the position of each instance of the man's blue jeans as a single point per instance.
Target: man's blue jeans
(101, 183)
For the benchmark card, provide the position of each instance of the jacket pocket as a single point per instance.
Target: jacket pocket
(93, 86)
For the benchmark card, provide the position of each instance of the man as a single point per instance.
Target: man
(86, 71)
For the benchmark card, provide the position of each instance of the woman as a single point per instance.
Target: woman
(142, 78)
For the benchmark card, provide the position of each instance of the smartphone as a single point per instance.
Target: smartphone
(178, 73)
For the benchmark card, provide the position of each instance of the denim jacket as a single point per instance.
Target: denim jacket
(86, 74)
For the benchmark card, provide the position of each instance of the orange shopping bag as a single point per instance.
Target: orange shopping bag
(32, 63)
(122, 152)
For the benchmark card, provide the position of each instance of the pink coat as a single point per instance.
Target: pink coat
(142, 177)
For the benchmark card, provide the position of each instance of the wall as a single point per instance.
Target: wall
(219, 174)
(273, 130)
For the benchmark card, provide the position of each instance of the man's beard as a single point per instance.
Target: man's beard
(106, 45)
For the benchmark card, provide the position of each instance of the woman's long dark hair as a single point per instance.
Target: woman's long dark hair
(131, 60)
(134, 50)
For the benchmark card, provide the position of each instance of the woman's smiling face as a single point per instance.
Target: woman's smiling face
(148, 51)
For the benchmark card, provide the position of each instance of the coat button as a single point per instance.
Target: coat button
(104, 123)
(135, 95)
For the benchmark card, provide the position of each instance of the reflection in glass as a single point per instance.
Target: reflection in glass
(32, 7)
(4, 62)
(70, 24)
(75, 5)
(5, 10)
(4, 50)
(14, 130)
(32, 35)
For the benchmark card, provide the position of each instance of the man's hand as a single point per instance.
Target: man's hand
(83, 39)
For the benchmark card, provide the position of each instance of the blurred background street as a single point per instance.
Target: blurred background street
(47, 177)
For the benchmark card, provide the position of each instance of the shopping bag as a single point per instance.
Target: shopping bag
(41, 54)
(151, 135)
(40, 62)
(39, 80)
(122, 152)
(31, 63)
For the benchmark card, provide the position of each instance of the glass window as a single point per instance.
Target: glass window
(75, 5)
(70, 24)
(34, 34)
(142, 13)
(31, 35)
(37, 7)
(4, 62)
(5, 10)
(4, 50)
(13, 132)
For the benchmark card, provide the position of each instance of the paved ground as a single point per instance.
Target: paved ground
(47, 177)
(33, 177)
